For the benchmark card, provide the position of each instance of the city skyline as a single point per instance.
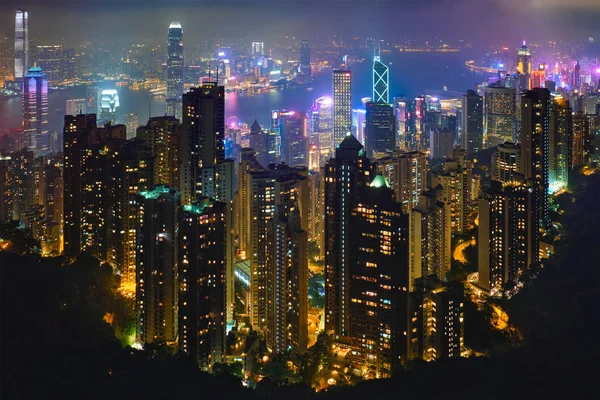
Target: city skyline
(294, 215)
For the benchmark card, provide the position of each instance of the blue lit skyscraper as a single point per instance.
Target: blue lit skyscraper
(175, 69)
(381, 80)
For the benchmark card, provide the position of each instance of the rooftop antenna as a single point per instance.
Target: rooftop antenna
(209, 71)
(217, 82)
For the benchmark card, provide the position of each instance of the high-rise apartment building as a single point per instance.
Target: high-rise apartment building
(157, 266)
(560, 143)
(35, 109)
(342, 105)
(581, 132)
(287, 281)
(76, 135)
(429, 238)
(21, 44)
(411, 179)
(202, 281)
(472, 122)
(535, 142)
(175, 75)
(202, 146)
(508, 234)
(506, 162)
(455, 180)
(346, 176)
(378, 269)
(380, 130)
(277, 189)
(243, 201)
(158, 134)
(436, 328)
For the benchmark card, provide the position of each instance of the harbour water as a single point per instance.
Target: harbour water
(411, 74)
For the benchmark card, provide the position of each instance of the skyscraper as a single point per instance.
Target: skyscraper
(258, 49)
(524, 60)
(246, 168)
(430, 236)
(346, 176)
(77, 130)
(508, 234)
(21, 44)
(35, 109)
(342, 105)
(156, 135)
(412, 179)
(203, 150)
(535, 143)
(436, 327)
(500, 103)
(50, 59)
(323, 124)
(381, 80)
(472, 122)
(109, 103)
(380, 130)
(287, 282)
(277, 189)
(581, 130)
(175, 70)
(440, 143)
(131, 122)
(455, 180)
(156, 267)
(506, 162)
(560, 143)
(294, 143)
(305, 58)
(201, 281)
(400, 108)
(378, 270)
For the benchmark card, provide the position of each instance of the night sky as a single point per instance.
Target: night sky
(479, 20)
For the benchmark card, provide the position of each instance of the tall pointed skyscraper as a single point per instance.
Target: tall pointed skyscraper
(21, 44)
(381, 80)
(175, 69)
